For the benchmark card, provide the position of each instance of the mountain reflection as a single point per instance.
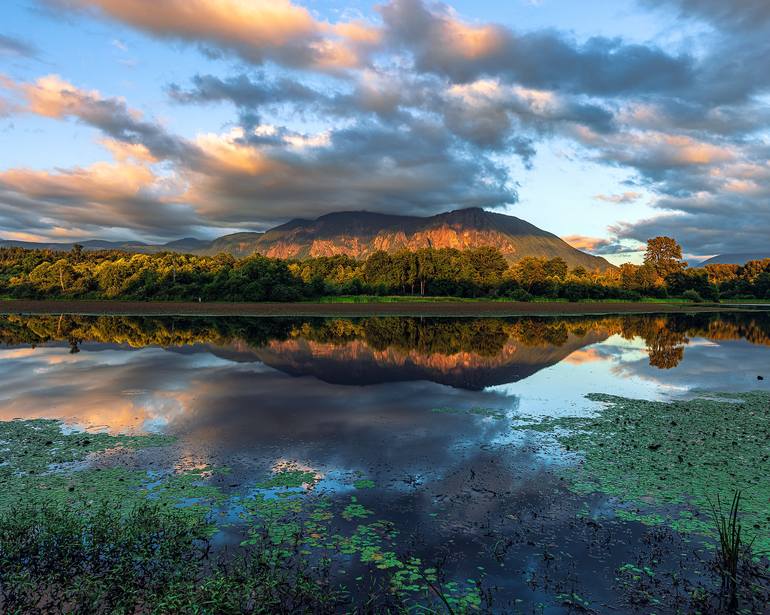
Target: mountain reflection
(464, 353)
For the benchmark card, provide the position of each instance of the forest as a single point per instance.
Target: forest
(479, 272)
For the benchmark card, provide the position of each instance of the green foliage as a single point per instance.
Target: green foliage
(476, 272)
(692, 295)
(664, 256)
(35, 452)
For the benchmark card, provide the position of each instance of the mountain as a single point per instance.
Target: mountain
(360, 233)
(187, 245)
(237, 244)
(735, 259)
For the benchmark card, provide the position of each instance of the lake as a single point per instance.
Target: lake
(461, 454)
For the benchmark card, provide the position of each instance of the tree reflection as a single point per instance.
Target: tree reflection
(482, 339)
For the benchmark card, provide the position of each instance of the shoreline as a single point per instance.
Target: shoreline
(439, 308)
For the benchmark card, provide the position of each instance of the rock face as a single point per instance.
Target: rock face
(358, 234)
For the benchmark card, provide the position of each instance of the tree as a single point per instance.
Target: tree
(664, 255)
(76, 253)
(556, 268)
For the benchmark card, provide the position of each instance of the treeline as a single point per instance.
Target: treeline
(478, 272)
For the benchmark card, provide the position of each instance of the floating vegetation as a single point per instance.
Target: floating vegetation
(309, 522)
(664, 460)
(364, 483)
(354, 510)
(44, 465)
(292, 534)
(290, 479)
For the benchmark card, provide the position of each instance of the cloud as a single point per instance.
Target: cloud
(51, 96)
(625, 197)
(422, 110)
(11, 46)
(443, 44)
(738, 14)
(254, 30)
(415, 171)
(246, 176)
(122, 194)
(598, 245)
(709, 222)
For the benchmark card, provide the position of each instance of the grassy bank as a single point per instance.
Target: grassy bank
(360, 306)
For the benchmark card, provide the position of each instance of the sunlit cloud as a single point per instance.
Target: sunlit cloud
(624, 197)
(254, 30)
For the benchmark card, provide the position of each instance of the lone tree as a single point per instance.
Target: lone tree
(664, 255)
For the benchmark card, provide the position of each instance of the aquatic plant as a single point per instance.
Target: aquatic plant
(283, 519)
(661, 460)
(731, 547)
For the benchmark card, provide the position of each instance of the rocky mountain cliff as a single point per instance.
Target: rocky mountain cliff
(360, 233)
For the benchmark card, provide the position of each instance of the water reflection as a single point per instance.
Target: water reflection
(359, 397)
(419, 348)
(246, 375)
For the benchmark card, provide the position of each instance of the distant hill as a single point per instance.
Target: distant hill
(735, 259)
(188, 245)
(360, 233)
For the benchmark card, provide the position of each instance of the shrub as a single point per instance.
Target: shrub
(519, 294)
(692, 296)
(574, 292)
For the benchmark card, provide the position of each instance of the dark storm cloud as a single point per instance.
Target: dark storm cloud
(248, 177)
(544, 59)
(415, 170)
(68, 202)
(243, 91)
(716, 229)
(490, 117)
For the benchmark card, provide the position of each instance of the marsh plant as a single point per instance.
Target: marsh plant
(95, 558)
(151, 559)
(733, 552)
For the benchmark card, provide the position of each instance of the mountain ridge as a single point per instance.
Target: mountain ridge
(737, 258)
(360, 233)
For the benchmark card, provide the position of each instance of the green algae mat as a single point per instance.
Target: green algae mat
(664, 462)
(44, 463)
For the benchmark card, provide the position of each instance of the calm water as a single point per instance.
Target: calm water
(421, 407)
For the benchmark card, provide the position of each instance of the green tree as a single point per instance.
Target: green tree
(664, 255)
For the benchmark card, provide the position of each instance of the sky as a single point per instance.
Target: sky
(606, 123)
